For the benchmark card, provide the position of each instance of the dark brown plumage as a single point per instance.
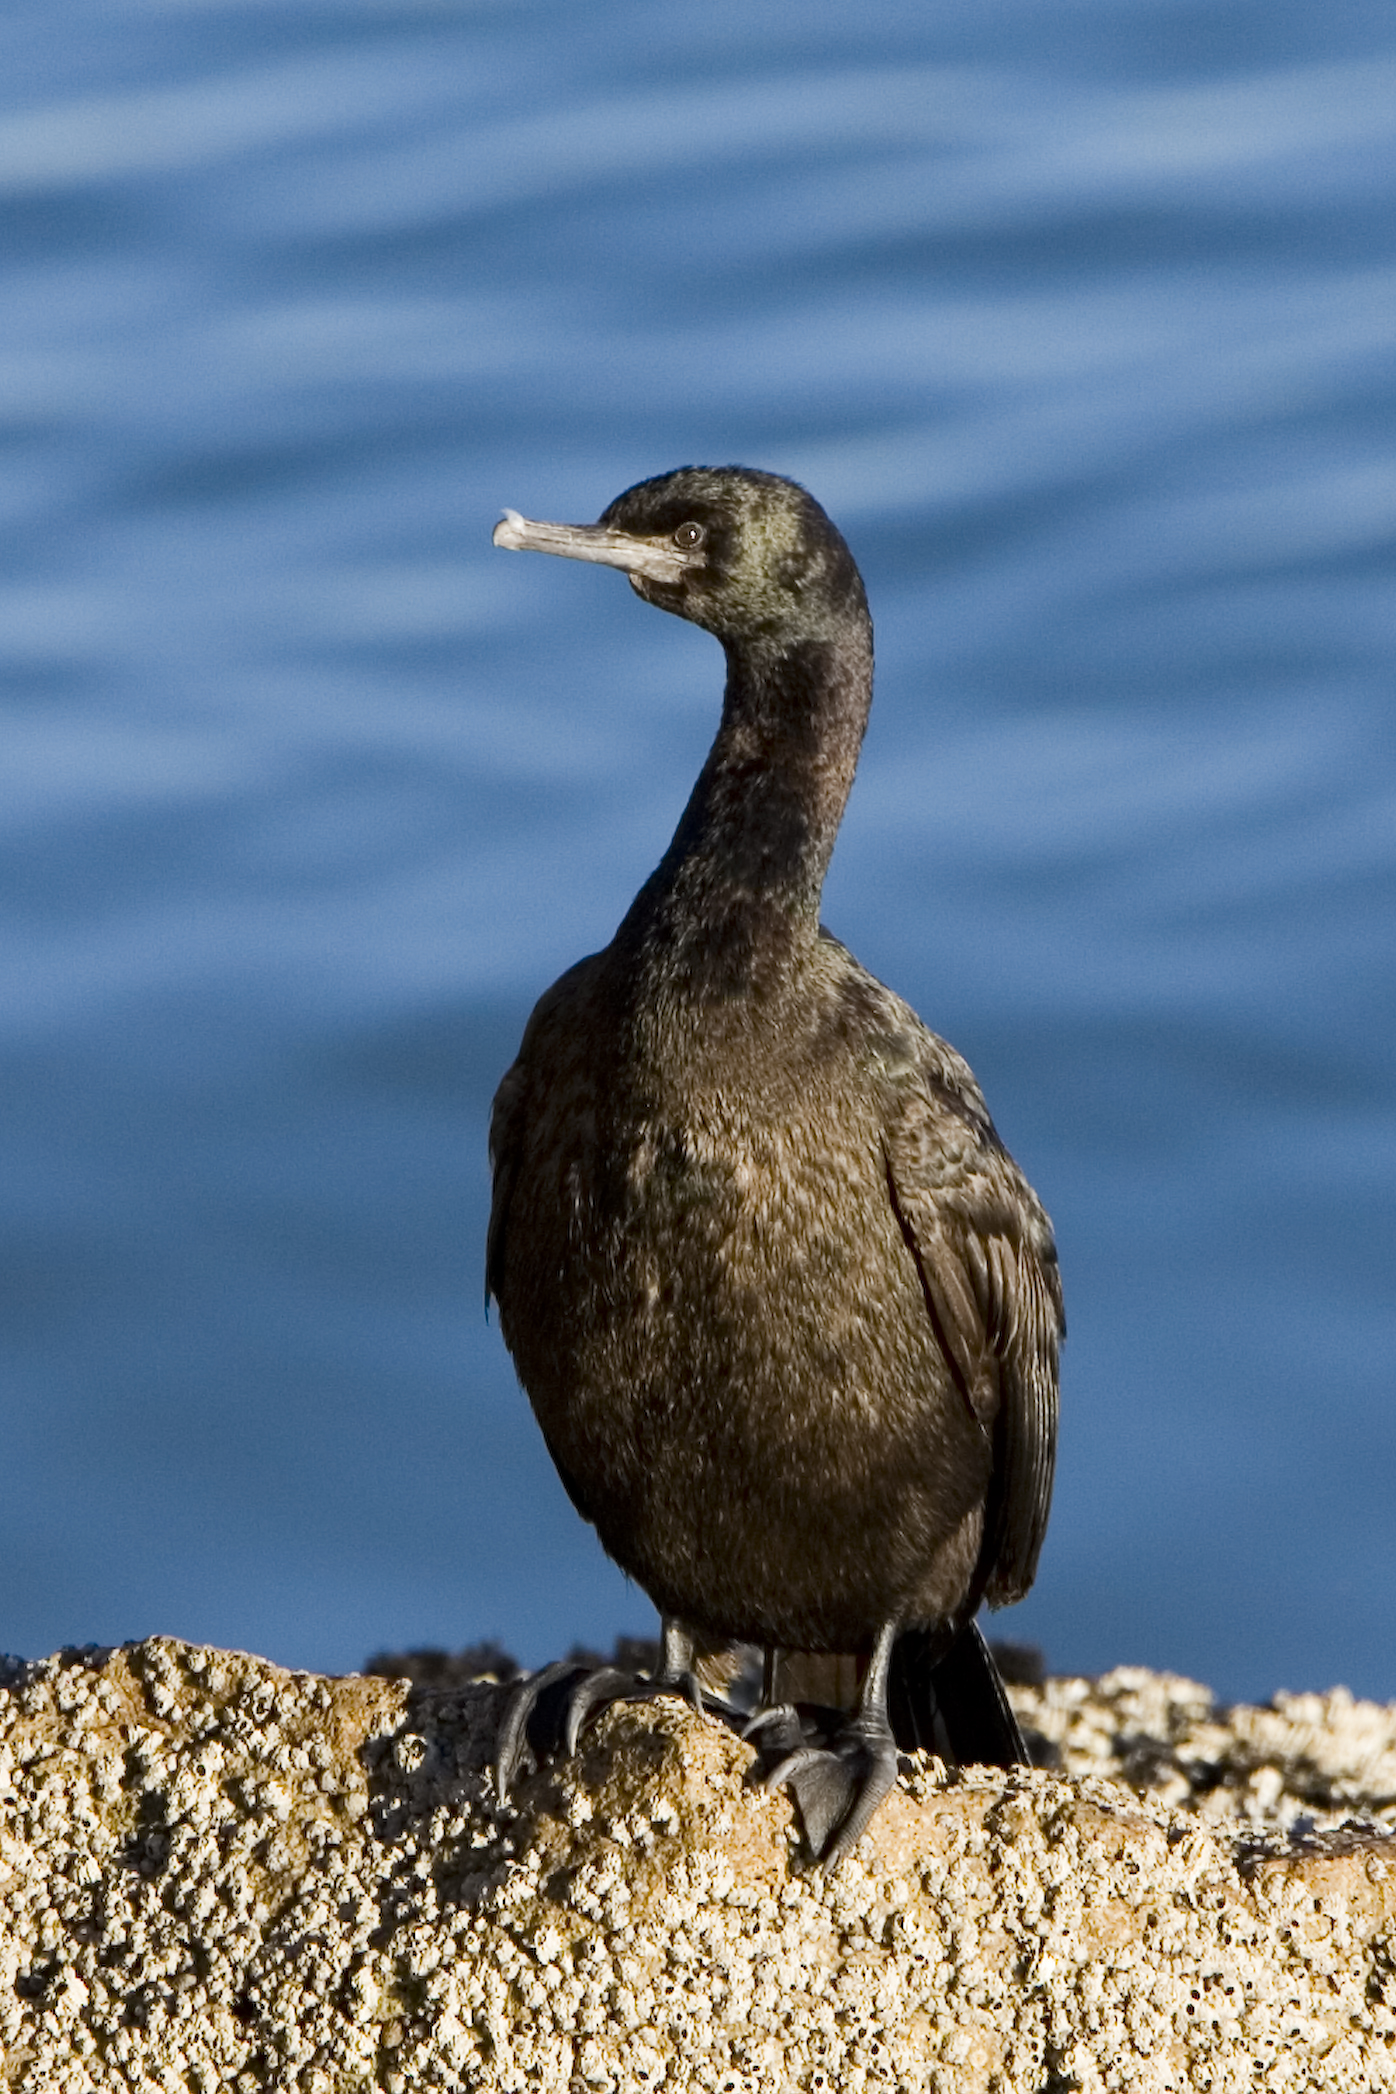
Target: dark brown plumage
(786, 1310)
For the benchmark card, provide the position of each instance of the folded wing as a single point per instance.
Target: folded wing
(988, 1269)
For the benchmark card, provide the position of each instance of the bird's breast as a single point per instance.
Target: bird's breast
(699, 1252)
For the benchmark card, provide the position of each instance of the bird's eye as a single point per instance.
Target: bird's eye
(689, 536)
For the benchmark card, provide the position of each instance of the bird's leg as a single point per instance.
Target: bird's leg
(548, 1711)
(768, 1710)
(838, 1787)
(775, 1723)
(770, 1663)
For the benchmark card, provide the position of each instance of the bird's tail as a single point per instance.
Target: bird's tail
(953, 1704)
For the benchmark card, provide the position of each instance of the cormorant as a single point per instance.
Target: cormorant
(787, 1311)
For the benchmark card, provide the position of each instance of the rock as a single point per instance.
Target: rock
(215, 1874)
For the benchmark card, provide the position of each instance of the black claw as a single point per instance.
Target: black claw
(787, 1727)
(596, 1690)
(531, 1721)
(777, 1729)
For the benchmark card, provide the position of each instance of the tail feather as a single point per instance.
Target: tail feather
(953, 1702)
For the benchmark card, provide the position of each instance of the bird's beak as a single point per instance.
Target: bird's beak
(657, 559)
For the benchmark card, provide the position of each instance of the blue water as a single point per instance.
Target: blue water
(1081, 320)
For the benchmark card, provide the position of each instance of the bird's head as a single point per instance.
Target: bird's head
(748, 555)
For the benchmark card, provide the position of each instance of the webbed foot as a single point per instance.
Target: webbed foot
(837, 1787)
(837, 1767)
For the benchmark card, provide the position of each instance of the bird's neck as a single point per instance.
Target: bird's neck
(736, 896)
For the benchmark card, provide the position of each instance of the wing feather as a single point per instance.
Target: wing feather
(988, 1266)
(514, 1104)
(507, 1116)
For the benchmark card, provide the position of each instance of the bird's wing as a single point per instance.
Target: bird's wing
(988, 1267)
(507, 1118)
(514, 1102)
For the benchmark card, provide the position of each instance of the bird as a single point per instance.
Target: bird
(786, 1310)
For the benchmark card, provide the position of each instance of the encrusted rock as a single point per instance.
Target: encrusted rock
(216, 1874)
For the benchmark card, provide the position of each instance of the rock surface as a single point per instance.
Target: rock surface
(216, 1874)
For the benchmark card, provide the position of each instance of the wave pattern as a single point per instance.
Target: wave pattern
(1083, 328)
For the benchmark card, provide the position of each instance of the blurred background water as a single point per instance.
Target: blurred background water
(1080, 320)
